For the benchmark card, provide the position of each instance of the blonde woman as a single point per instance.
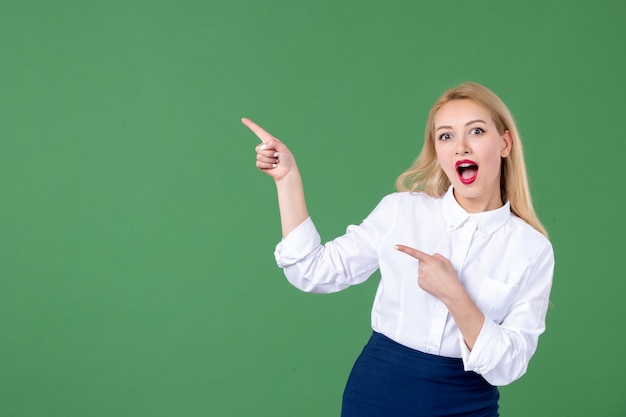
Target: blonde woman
(466, 266)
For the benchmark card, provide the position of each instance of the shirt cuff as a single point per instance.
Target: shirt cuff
(297, 244)
(480, 358)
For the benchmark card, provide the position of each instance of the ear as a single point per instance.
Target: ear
(507, 144)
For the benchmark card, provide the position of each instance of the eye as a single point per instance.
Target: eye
(445, 136)
(476, 131)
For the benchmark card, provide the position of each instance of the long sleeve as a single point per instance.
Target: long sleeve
(503, 349)
(347, 260)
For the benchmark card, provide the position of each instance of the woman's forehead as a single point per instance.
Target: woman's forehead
(461, 112)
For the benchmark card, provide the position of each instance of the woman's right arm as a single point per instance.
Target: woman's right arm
(275, 159)
(310, 266)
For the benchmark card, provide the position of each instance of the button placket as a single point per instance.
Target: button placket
(437, 327)
(464, 241)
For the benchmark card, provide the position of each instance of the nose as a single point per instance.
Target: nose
(462, 147)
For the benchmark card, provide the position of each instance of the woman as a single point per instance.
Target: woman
(466, 266)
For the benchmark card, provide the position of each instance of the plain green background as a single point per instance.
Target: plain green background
(137, 236)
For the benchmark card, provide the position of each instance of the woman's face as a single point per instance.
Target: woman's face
(470, 151)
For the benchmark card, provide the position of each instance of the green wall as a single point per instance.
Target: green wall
(137, 236)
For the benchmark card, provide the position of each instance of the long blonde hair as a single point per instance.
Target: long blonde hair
(427, 176)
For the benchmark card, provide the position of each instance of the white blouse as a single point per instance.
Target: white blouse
(505, 265)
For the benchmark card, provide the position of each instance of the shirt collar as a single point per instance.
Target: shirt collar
(486, 222)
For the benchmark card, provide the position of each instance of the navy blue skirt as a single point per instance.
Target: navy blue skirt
(392, 380)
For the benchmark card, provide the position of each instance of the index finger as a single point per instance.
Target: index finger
(258, 130)
(417, 254)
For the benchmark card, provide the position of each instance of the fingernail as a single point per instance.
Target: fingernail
(396, 247)
(274, 165)
(275, 154)
(263, 147)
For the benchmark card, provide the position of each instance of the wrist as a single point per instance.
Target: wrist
(290, 179)
(457, 296)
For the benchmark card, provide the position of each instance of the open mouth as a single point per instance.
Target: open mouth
(467, 171)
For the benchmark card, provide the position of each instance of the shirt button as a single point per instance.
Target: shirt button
(451, 226)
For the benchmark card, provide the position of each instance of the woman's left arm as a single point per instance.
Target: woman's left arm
(437, 276)
(499, 351)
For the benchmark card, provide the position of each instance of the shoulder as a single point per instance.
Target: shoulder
(527, 236)
(405, 204)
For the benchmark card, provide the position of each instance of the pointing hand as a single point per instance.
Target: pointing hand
(435, 273)
(272, 156)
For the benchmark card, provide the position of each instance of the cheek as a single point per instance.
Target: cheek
(491, 154)
(445, 164)
(443, 158)
(493, 165)
(495, 156)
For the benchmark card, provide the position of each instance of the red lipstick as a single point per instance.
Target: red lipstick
(467, 171)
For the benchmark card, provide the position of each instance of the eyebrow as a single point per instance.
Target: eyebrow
(466, 124)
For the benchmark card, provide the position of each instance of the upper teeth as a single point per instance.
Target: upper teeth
(465, 165)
